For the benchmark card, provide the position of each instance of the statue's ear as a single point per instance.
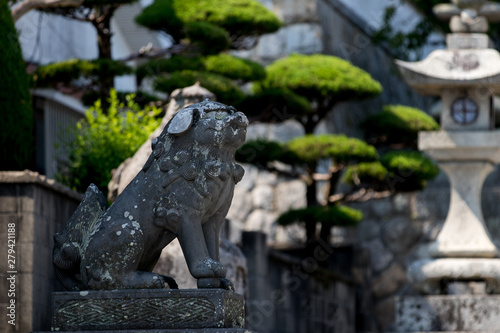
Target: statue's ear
(182, 121)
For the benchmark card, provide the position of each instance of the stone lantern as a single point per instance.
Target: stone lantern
(466, 75)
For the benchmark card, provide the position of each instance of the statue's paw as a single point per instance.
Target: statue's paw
(208, 283)
(170, 282)
(209, 268)
(226, 284)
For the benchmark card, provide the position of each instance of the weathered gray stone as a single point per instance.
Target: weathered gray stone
(367, 230)
(184, 191)
(285, 131)
(389, 282)
(426, 275)
(147, 309)
(379, 256)
(260, 220)
(303, 38)
(448, 313)
(241, 205)
(399, 235)
(385, 313)
(267, 178)
(290, 195)
(467, 41)
(294, 11)
(248, 182)
(263, 197)
(124, 174)
(291, 234)
(464, 233)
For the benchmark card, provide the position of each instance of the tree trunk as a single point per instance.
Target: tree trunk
(312, 201)
(102, 23)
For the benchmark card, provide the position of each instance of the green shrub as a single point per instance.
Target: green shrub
(225, 89)
(103, 141)
(319, 77)
(398, 124)
(328, 216)
(238, 17)
(274, 105)
(234, 68)
(366, 174)
(408, 170)
(209, 38)
(68, 70)
(262, 152)
(16, 114)
(173, 64)
(341, 149)
(161, 15)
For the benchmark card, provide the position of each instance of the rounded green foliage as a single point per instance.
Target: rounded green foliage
(72, 69)
(341, 149)
(408, 170)
(161, 15)
(326, 215)
(262, 152)
(64, 71)
(173, 64)
(274, 105)
(103, 68)
(319, 77)
(226, 90)
(234, 67)
(238, 17)
(104, 140)
(208, 38)
(16, 114)
(140, 97)
(398, 124)
(365, 173)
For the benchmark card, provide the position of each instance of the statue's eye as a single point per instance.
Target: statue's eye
(221, 115)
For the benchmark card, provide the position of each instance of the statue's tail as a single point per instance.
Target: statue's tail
(69, 244)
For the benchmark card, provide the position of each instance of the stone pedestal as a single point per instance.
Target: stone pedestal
(464, 233)
(190, 310)
(452, 313)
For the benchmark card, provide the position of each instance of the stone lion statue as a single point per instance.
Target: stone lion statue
(184, 190)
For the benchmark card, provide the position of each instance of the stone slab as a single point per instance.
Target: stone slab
(453, 69)
(470, 313)
(140, 309)
(461, 145)
(468, 41)
(426, 275)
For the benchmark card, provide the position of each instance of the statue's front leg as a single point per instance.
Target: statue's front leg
(211, 230)
(199, 261)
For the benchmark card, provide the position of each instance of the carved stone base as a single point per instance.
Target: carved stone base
(190, 310)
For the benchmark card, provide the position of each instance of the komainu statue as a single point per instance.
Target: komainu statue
(184, 190)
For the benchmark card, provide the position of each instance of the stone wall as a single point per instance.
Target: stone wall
(38, 208)
(292, 294)
(300, 33)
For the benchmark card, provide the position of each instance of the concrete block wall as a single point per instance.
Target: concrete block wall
(38, 208)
